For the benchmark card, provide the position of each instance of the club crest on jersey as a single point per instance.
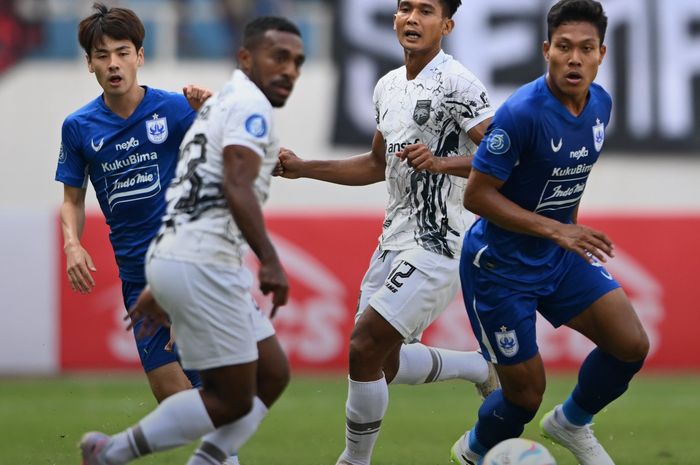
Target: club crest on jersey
(507, 342)
(598, 135)
(421, 113)
(157, 129)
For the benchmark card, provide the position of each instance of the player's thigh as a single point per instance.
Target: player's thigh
(502, 319)
(211, 308)
(373, 280)
(613, 325)
(273, 370)
(151, 349)
(416, 290)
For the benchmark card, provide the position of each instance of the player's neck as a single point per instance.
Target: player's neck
(415, 61)
(574, 104)
(124, 105)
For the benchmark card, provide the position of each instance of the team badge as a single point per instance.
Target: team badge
(507, 342)
(256, 125)
(157, 129)
(61, 154)
(421, 113)
(598, 135)
(498, 142)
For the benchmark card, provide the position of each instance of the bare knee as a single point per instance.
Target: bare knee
(636, 348)
(227, 409)
(524, 383)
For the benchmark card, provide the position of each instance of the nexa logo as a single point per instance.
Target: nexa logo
(399, 146)
(581, 153)
(130, 144)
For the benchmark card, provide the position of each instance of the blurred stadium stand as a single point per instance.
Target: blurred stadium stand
(176, 29)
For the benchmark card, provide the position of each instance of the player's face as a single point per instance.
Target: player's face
(573, 58)
(421, 25)
(115, 63)
(274, 64)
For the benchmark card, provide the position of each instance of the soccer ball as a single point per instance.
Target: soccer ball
(518, 451)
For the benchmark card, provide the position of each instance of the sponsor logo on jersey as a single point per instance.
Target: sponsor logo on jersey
(131, 160)
(129, 144)
(97, 147)
(559, 194)
(507, 342)
(421, 113)
(256, 125)
(578, 154)
(61, 154)
(157, 129)
(555, 148)
(394, 147)
(131, 185)
(498, 142)
(571, 170)
(598, 135)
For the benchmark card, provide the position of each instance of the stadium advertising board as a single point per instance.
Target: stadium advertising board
(652, 67)
(326, 256)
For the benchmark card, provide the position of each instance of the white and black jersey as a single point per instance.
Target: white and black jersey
(437, 108)
(239, 114)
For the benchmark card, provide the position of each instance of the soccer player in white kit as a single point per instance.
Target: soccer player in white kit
(195, 266)
(431, 114)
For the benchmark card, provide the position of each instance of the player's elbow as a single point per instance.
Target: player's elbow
(472, 201)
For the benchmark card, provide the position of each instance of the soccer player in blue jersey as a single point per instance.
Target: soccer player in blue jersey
(528, 253)
(126, 142)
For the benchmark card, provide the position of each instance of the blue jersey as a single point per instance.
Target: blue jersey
(130, 163)
(543, 154)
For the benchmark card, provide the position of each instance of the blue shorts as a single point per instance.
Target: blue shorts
(503, 318)
(152, 348)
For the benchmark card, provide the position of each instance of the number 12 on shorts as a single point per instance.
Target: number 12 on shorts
(401, 272)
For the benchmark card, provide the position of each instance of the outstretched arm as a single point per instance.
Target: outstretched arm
(78, 262)
(359, 170)
(483, 197)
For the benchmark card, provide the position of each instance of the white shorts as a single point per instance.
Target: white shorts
(409, 288)
(216, 319)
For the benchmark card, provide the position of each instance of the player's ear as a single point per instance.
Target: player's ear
(139, 57)
(545, 50)
(603, 49)
(447, 27)
(245, 58)
(89, 63)
(394, 21)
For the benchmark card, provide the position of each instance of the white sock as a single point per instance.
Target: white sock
(226, 440)
(364, 411)
(420, 364)
(178, 420)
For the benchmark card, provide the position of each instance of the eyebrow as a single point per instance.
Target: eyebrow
(118, 49)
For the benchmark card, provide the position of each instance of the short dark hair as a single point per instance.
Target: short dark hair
(117, 23)
(567, 11)
(256, 29)
(449, 7)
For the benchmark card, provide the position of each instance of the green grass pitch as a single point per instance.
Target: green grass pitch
(41, 420)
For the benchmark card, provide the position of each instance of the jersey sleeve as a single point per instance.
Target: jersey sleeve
(471, 101)
(71, 169)
(501, 148)
(376, 96)
(184, 109)
(248, 124)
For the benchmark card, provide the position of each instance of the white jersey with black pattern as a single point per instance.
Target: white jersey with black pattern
(437, 108)
(197, 210)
